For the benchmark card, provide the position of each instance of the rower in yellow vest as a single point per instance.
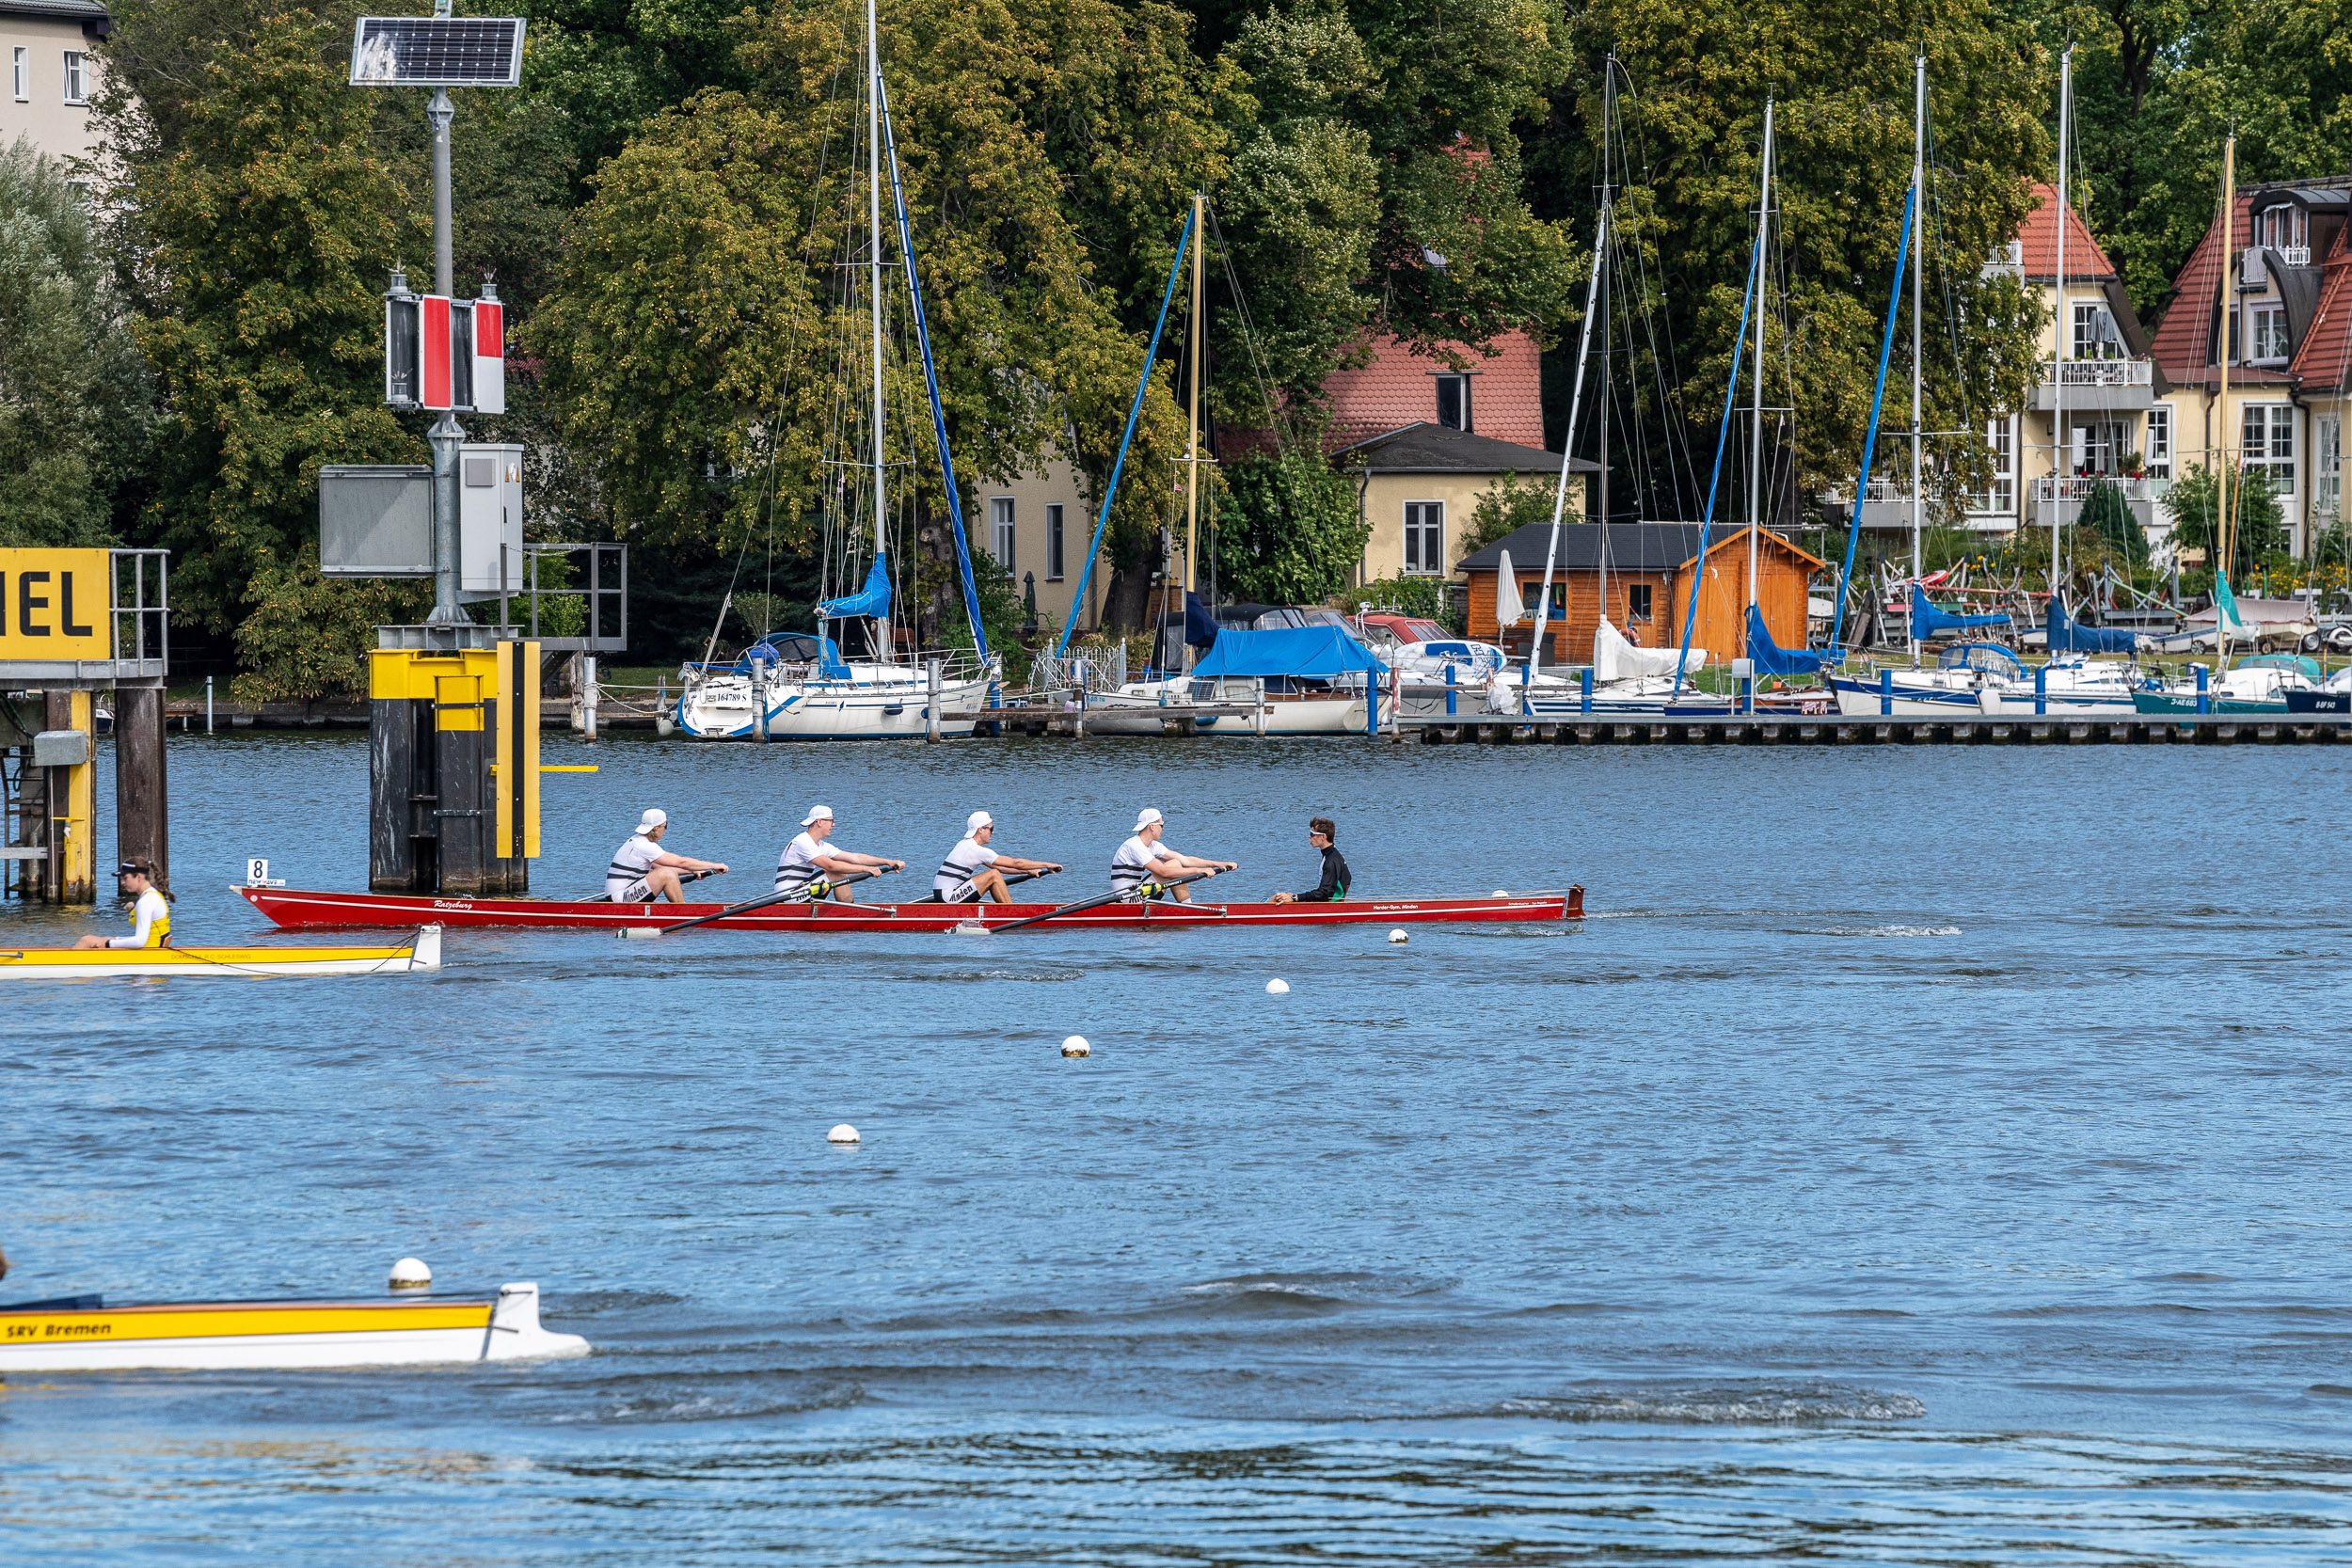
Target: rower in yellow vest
(151, 912)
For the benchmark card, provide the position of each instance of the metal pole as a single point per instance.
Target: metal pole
(1755, 432)
(887, 649)
(1192, 441)
(931, 708)
(1567, 449)
(208, 705)
(2061, 449)
(446, 434)
(588, 694)
(1918, 209)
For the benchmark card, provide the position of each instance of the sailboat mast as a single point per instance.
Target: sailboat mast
(883, 650)
(1192, 439)
(1756, 402)
(1608, 125)
(1919, 183)
(2062, 449)
(2221, 469)
(1567, 452)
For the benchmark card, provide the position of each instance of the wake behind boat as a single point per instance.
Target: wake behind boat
(297, 909)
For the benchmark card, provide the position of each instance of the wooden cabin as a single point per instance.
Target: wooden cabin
(1650, 566)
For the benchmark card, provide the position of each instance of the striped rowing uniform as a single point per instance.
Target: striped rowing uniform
(1132, 865)
(797, 871)
(953, 880)
(624, 879)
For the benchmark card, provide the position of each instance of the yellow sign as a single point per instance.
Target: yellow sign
(54, 605)
(517, 778)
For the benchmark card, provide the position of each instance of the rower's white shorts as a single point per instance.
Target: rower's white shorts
(962, 892)
(636, 893)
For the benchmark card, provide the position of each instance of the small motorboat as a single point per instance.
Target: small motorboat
(2333, 695)
(103, 963)
(81, 1334)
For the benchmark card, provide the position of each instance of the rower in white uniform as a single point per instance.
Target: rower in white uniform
(151, 915)
(1144, 860)
(973, 872)
(808, 864)
(643, 871)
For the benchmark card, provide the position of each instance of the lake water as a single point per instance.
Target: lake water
(1922, 1155)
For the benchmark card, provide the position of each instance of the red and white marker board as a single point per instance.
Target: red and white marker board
(432, 329)
(489, 356)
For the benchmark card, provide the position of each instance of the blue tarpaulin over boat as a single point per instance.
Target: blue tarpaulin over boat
(1770, 657)
(1314, 653)
(1925, 620)
(2068, 635)
(872, 599)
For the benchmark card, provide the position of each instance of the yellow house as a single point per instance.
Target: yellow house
(50, 50)
(1418, 486)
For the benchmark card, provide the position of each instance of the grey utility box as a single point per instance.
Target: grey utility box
(60, 749)
(376, 520)
(490, 518)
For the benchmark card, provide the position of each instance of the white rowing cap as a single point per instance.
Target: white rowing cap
(1278, 988)
(843, 1133)
(410, 1273)
(1076, 1046)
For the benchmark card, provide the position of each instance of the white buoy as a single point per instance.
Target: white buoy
(1501, 894)
(1076, 1046)
(410, 1273)
(845, 1134)
(1399, 937)
(1278, 988)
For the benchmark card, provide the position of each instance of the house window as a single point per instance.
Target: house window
(2269, 444)
(2001, 495)
(74, 83)
(2326, 468)
(1637, 603)
(2159, 452)
(1000, 530)
(1454, 401)
(1424, 538)
(1053, 543)
(2094, 334)
(22, 65)
(2097, 443)
(2270, 332)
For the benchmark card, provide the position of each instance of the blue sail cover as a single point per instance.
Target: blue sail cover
(872, 599)
(2068, 635)
(1314, 653)
(1770, 657)
(1925, 620)
(1199, 625)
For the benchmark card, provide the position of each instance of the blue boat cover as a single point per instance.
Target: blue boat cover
(872, 599)
(1770, 657)
(1925, 620)
(828, 655)
(2067, 634)
(1313, 652)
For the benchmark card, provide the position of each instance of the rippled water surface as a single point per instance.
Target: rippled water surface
(1922, 1155)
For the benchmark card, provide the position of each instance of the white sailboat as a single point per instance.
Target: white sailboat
(821, 695)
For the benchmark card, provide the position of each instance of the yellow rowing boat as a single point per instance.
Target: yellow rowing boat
(82, 1335)
(100, 963)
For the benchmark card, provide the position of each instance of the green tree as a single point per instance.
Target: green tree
(1508, 505)
(262, 236)
(72, 410)
(1288, 528)
(1691, 101)
(2256, 522)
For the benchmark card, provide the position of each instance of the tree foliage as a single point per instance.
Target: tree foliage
(1288, 528)
(2256, 522)
(73, 414)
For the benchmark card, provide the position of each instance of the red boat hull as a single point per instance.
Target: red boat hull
(299, 909)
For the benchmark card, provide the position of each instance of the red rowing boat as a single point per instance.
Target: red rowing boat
(297, 909)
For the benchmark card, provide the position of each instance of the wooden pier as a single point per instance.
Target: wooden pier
(1834, 730)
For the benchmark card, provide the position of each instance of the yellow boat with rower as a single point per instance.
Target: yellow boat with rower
(101, 963)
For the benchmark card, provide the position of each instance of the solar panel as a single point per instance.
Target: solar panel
(438, 52)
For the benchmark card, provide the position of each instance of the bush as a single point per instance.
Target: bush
(2194, 505)
(1289, 531)
(308, 637)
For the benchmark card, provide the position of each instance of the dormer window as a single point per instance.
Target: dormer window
(2095, 337)
(2270, 333)
(1454, 401)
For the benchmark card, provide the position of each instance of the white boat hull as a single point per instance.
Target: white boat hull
(1124, 713)
(873, 704)
(252, 1335)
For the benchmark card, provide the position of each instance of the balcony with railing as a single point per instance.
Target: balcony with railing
(2095, 384)
(2066, 494)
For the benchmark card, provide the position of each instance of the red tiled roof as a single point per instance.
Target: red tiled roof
(2085, 261)
(2183, 345)
(1399, 387)
(2325, 356)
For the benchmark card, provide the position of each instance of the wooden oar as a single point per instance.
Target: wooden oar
(746, 907)
(974, 927)
(690, 877)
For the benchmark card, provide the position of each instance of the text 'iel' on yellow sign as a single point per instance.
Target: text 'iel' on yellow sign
(54, 605)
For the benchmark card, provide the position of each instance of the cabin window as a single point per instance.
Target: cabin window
(22, 68)
(1637, 603)
(2159, 452)
(76, 80)
(1424, 538)
(2269, 444)
(1000, 530)
(1454, 401)
(1053, 543)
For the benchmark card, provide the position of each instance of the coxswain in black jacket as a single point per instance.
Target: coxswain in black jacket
(1333, 888)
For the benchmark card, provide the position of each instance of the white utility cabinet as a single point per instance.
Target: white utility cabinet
(490, 518)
